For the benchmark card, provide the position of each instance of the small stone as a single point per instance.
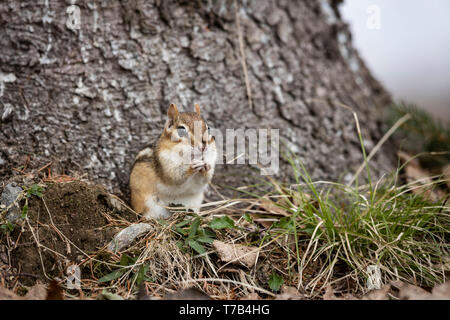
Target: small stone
(9, 195)
(125, 237)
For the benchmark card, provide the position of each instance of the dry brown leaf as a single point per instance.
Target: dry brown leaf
(442, 291)
(329, 294)
(272, 207)
(414, 172)
(236, 253)
(298, 198)
(289, 293)
(37, 292)
(380, 294)
(411, 292)
(251, 296)
(283, 201)
(405, 292)
(6, 294)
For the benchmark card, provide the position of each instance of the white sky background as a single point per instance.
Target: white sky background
(410, 53)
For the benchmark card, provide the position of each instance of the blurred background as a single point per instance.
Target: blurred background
(406, 44)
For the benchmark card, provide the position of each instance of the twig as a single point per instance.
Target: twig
(230, 281)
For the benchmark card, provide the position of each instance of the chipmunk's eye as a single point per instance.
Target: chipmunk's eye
(182, 132)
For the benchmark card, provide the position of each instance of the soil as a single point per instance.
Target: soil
(77, 210)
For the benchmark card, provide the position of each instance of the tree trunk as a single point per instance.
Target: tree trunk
(90, 98)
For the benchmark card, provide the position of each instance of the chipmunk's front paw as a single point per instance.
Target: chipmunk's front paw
(200, 166)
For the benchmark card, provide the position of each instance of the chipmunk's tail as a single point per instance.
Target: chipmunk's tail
(145, 155)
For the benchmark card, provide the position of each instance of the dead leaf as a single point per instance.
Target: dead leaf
(6, 294)
(405, 292)
(236, 253)
(289, 293)
(380, 294)
(273, 208)
(419, 178)
(298, 198)
(329, 294)
(37, 292)
(411, 292)
(251, 296)
(442, 291)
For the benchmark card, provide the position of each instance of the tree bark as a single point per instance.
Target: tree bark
(90, 98)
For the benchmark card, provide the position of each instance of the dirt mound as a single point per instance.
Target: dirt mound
(70, 222)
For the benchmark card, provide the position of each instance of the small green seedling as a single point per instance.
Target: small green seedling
(194, 236)
(275, 281)
(138, 276)
(222, 223)
(34, 190)
(7, 227)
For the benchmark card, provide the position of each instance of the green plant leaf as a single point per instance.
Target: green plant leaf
(205, 239)
(182, 223)
(196, 246)
(207, 232)
(35, 190)
(140, 275)
(222, 223)
(112, 276)
(181, 231)
(309, 230)
(24, 210)
(286, 223)
(275, 281)
(248, 218)
(194, 227)
(7, 227)
(180, 244)
(125, 260)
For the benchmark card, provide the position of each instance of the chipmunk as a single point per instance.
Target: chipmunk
(177, 168)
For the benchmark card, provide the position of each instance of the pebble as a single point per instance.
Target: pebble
(9, 195)
(125, 237)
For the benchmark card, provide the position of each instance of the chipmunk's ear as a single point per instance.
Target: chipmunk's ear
(173, 113)
(197, 109)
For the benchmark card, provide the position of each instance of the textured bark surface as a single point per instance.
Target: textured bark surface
(90, 98)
